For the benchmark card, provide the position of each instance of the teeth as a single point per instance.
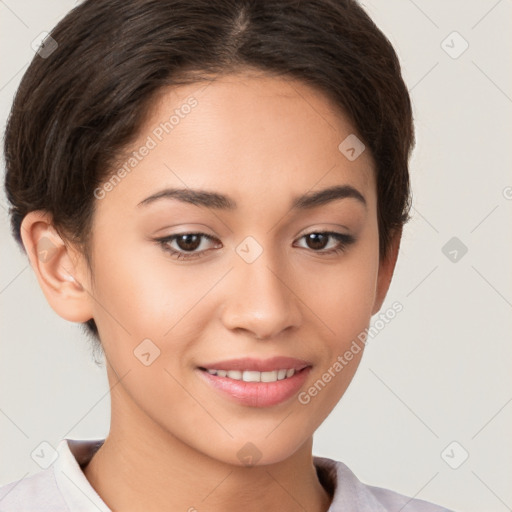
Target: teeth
(269, 376)
(251, 376)
(254, 376)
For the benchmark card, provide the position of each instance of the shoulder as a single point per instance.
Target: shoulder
(36, 493)
(349, 493)
(60, 487)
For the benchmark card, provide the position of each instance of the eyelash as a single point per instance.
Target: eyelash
(343, 239)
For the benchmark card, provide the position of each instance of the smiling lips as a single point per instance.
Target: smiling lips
(254, 376)
(257, 382)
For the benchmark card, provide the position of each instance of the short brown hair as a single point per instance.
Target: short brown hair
(79, 106)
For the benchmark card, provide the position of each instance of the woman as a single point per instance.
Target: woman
(217, 192)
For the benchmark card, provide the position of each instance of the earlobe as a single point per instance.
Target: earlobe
(56, 266)
(386, 269)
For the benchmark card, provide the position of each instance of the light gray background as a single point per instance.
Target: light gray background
(439, 372)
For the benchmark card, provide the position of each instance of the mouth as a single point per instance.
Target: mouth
(253, 375)
(256, 382)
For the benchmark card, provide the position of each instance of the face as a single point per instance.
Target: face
(245, 262)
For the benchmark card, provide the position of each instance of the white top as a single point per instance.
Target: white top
(63, 487)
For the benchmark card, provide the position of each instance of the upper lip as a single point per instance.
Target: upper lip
(260, 365)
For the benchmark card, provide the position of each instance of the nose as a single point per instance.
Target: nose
(260, 299)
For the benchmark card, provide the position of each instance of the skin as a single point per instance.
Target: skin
(173, 440)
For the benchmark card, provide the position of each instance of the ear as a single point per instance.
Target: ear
(386, 269)
(62, 277)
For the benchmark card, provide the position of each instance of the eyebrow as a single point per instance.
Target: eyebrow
(223, 202)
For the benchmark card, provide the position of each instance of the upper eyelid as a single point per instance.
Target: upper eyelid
(212, 237)
(331, 233)
(173, 237)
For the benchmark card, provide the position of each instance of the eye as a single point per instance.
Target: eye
(187, 244)
(318, 241)
(190, 245)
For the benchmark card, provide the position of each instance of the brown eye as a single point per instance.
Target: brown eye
(188, 242)
(317, 241)
(321, 242)
(186, 245)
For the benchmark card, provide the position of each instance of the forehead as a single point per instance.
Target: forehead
(245, 132)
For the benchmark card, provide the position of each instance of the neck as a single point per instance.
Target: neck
(144, 478)
(142, 467)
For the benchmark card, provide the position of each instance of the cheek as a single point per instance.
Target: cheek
(343, 301)
(344, 307)
(342, 295)
(143, 296)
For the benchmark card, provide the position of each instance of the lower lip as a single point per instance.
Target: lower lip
(258, 394)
